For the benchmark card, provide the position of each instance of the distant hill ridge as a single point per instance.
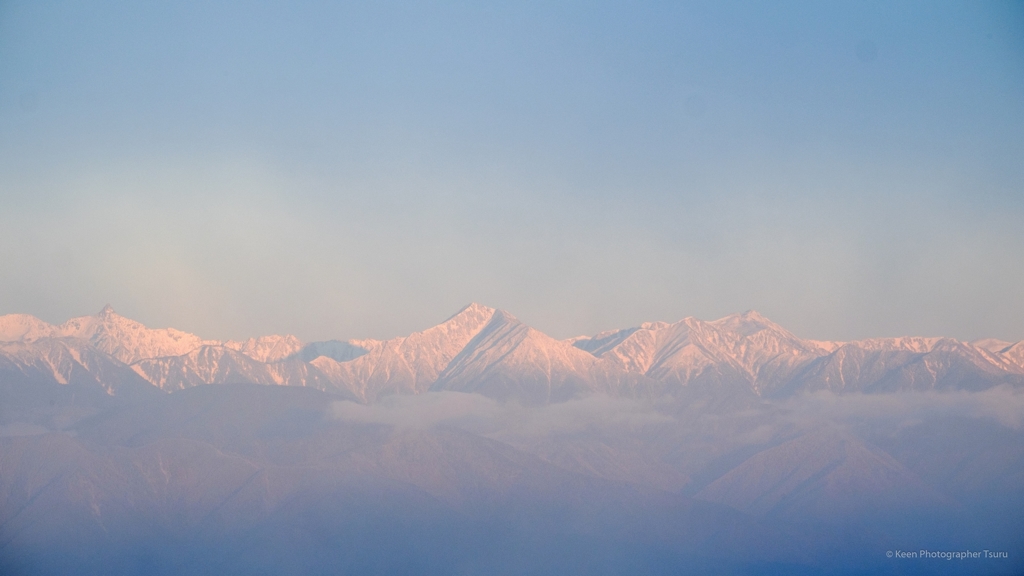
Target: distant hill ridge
(488, 351)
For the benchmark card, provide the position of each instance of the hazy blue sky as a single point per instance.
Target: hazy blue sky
(342, 170)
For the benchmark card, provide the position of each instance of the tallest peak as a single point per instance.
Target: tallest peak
(473, 309)
(107, 312)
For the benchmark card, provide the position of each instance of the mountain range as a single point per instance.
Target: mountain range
(490, 352)
(484, 446)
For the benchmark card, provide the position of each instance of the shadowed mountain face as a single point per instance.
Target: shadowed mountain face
(822, 474)
(251, 478)
(481, 446)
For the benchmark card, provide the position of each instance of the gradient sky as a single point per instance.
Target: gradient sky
(339, 170)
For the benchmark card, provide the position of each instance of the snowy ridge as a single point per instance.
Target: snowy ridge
(267, 348)
(487, 351)
(773, 362)
(23, 328)
(111, 333)
(744, 347)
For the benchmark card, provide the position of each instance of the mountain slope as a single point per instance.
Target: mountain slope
(409, 364)
(508, 359)
(821, 475)
(267, 348)
(742, 349)
(62, 373)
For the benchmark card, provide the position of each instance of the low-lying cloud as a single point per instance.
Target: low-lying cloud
(597, 414)
(1004, 404)
(484, 415)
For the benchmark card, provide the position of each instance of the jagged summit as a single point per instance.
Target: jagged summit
(748, 323)
(107, 312)
(469, 317)
(472, 309)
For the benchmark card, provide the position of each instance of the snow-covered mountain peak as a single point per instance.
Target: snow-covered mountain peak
(747, 324)
(267, 348)
(908, 344)
(509, 359)
(654, 325)
(1015, 354)
(23, 327)
(992, 345)
(125, 339)
(471, 312)
(746, 346)
(826, 346)
(130, 341)
(408, 364)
